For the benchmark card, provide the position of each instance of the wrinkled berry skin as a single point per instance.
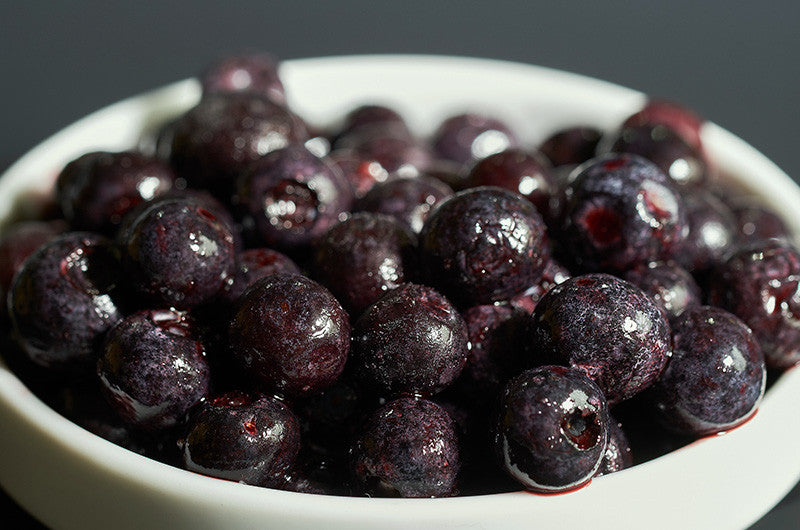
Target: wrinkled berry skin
(711, 235)
(178, 253)
(760, 284)
(528, 174)
(363, 257)
(257, 73)
(411, 340)
(19, 241)
(671, 286)
(465, 138)
(571, 146)
(482, 245)
(618, 454)
(716, 376)
(409, 200)
(290, 334)
(60, 300)
(243, 438)
(621, 210)
(292, 197)
(606, 327)
(152, 370)
(96, 190)
(215, 141)
(254, 264)
(408, 449)
(552, 428)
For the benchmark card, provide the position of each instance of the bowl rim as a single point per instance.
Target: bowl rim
(61, 434)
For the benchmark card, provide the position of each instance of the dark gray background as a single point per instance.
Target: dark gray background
(735, 63)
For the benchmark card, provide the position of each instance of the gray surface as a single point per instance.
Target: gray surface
(734, 62)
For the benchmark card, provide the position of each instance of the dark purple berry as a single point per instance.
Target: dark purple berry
(408, 449)
(716, 376)
(671, 286)
(606, 327)
(409, 200)
(369, 116)
(19, 241)
(571, 146)
(290, 334)
(711, 235)
(465, 138)
(178, 254)
(254, 264)
(396, 154)
(553, 274)
(363, 257)
(361, 173)
(756, 223)
(243, 438)
(256, 73)
(292, 197)
(672, 115)
(411, 340)
(483, 245)
(153, 371)
(621, 210)
(96, 190)
(552, 429)
(760, 284)
(60, 303)
(618, 450)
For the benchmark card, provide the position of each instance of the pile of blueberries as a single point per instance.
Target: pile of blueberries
(358, 311)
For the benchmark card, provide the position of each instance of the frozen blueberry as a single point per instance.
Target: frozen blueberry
(526, 173)
(712, 232)
(755, 223)
(408, 449)
(760, 284)
(671, 286)
(621, 210)
(465, 138)
(152, 370)
(409, 200)
(19, 241)
(681, 120)
(553, 274)
(606, 327)
(215, 141)
(178, 253)
(257, 73)
(244, 438)
(395, 152)
(369, 116)
(254, 264)
(716, 376)
(363, 257)
(571, 146)
(290, 334)
(292, 197)
(96, 190)
(618, 454)
(411, 340)
(60, 300)
(360, 172)
(482, 245)
(552, 428)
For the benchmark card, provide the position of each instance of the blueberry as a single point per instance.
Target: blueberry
(60, 301)
(254, 264)
(671, 286)
(390, 150)
(553, 274)
(257, 73)
(678, 118)
(482, 245)
(618, 454)
(760, 284)
(411, 340)
(152, 370)
(408, 449)
(178, 253)
(465, 138)
(363, 257)
(756, 222)
(409, 200)
(712, 232)
(369, 116)
(292, 197)
(290, 334)
(571, 146)
(716, 376)
(621, 210)
(361, 173)
(242, 437)
(552, 428)
(606, 327)
(96, 190)
(19, 241)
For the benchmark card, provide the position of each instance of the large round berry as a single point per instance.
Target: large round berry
(257, 73)
(571, 146)
(760, 284)
(409, 200)
(370, 116)
(254, 264)
(408, 449)
(363, 257)
(672, 115)
(178, 253)
(482, 245)
(60, 303)
(152, 370)
(606, 327)
(411, 340)
(465, 138)
(96, 190)
(711, 234)
(716, 376)
(245, 438)
(19, 241)
(671, 286)
(621, 210)
(292, 197)
(290, 334)
(552, 428)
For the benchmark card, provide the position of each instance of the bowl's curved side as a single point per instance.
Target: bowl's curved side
(70, 478)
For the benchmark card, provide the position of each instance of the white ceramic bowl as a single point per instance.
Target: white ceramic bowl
(70, 478)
